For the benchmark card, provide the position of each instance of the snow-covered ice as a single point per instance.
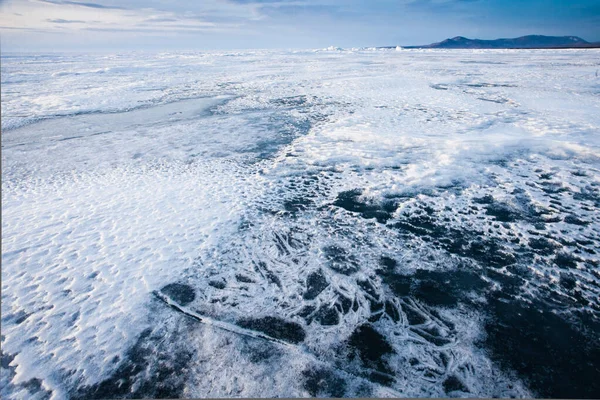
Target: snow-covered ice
(363, 222)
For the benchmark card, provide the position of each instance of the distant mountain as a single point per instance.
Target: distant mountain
(523, 42)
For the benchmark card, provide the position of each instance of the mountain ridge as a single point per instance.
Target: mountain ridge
(522, 42)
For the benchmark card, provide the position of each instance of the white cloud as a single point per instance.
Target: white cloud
(70, 16)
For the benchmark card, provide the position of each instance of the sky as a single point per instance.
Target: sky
(141, 25)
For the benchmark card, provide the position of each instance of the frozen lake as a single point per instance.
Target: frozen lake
(340, 223)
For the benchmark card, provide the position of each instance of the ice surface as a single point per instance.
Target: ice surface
(371, 223)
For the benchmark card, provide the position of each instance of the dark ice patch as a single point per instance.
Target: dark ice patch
(293, 101)
(565, 260)
(322, 382)
(588, 194)
(218, 284)
(428, 227)
(446, 288)
(306, 312)
(371, 347)
(339, 260)
(487, 199)
(381, 378)
(399, 284)
(350, 201)
(433, 292)
(387, 263)
(554, 358)
(243, 278)
(453, 384)
(286, 128)
(180, 293)
(497, 100)
(367, 286)
(6, 359)
(579, 173)
(375, 306)
(439, 86)
(573, 220)
(145, 372)
(260, 351)
(543, 246)
(493, 85)
(568, 282)
(33, 386)
(93, 275)
(275, 327)
(488, 253)
(344, 304)
(327, 315)
(502, 212)
(392, 311)
(261, 267)
(297, 204)
(315, 284)
(18, 318)
(553, 187)
(523, 210)
(435, 288)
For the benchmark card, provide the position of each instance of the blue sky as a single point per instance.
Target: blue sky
(78, 25)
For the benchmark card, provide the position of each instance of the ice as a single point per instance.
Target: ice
(227, 224)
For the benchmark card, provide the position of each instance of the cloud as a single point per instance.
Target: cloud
(264, 1)
(65, 21)
(294, 9)
(82, 4)
(76, 16)
(156, 20)
(34, 30)
(441, 6)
